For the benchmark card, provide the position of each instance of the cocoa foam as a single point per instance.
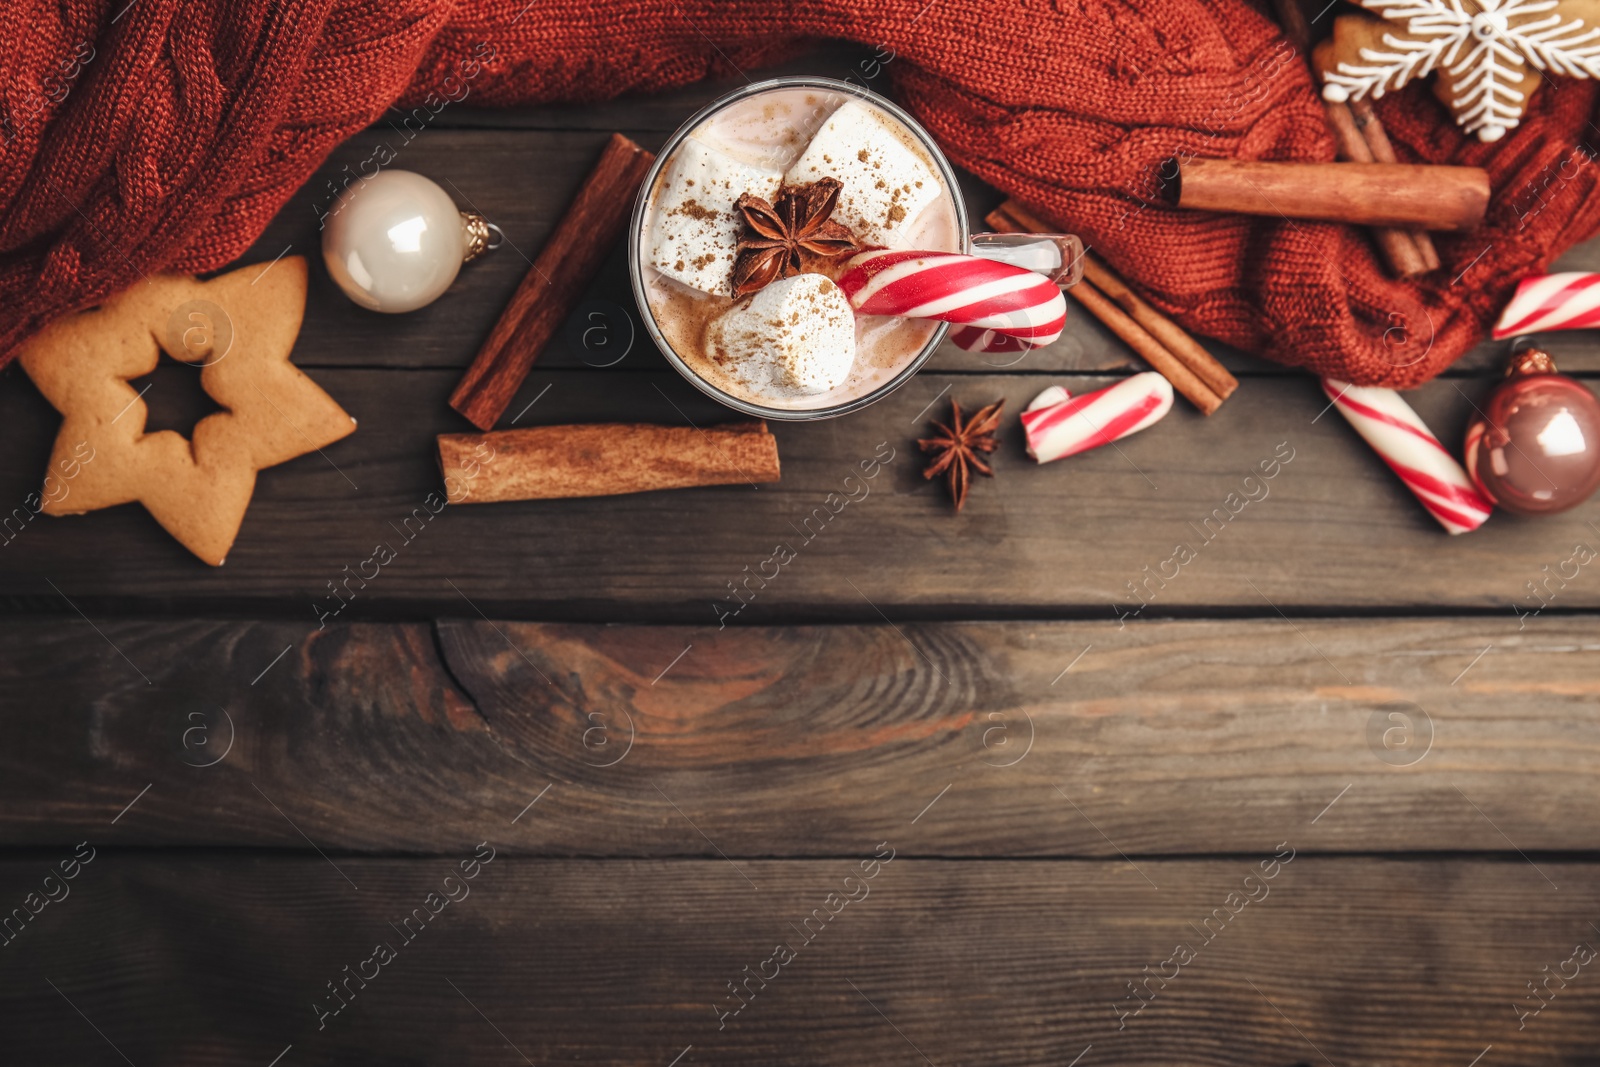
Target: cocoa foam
(771, 130)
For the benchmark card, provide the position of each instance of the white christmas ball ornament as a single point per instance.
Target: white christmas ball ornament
(395, 241)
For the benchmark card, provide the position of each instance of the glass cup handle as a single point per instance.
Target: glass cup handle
(1058, 256)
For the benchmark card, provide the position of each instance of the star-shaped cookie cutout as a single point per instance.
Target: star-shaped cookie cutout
(239, 328)
(1490, 54)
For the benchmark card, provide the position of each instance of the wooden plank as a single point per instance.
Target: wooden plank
(1080, 538)
(473, 166)
(1026, 739)
(227, 960)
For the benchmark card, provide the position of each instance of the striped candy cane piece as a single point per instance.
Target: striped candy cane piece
(977, 339)
(967, 290)
(1071, 425)
(1411, 450)
(1055, 394)
(1552, 302)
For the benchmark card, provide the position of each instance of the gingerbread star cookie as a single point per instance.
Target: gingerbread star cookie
(239, 328)
(1490, 55)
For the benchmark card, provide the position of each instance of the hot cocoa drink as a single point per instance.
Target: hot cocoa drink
(750, 223)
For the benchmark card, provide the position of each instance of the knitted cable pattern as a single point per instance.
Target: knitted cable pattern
(158, 135)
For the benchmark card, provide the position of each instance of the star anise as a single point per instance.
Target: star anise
(961, 445)
(777, 234)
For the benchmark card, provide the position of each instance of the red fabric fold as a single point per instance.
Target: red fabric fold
(164, 134)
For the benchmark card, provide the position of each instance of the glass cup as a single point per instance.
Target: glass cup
(1058, 257)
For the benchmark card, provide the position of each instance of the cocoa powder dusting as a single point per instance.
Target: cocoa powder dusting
(684, 315)
(695, 210)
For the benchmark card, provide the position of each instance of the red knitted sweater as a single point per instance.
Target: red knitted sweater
(143, 135)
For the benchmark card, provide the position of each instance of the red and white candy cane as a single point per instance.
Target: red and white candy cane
(1054, 394)
(967, 290)
(1552, 302)
(1411, 450)
(1056, 425)
(977, 339)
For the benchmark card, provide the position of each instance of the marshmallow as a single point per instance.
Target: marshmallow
(886, 181)
(796, 337)
(695, 231)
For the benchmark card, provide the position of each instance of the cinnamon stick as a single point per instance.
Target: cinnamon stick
(1399, 247)
(1370, 194)
(1195, 366)
(1138, 338)
(602, 459)
(593, 222)
(1377, 139)
(1170, 334)
(1361, 139)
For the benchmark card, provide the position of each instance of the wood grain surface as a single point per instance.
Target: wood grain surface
(277, 760)
(1338, 532)
(1334, 531)
(1033, 739)
(171, 959)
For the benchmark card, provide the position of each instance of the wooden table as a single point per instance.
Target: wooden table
(979, 810)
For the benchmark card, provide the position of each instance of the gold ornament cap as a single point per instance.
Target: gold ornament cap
(477, 231)
(1530, 361)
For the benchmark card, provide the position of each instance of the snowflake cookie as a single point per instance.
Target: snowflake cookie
(1490, 54)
